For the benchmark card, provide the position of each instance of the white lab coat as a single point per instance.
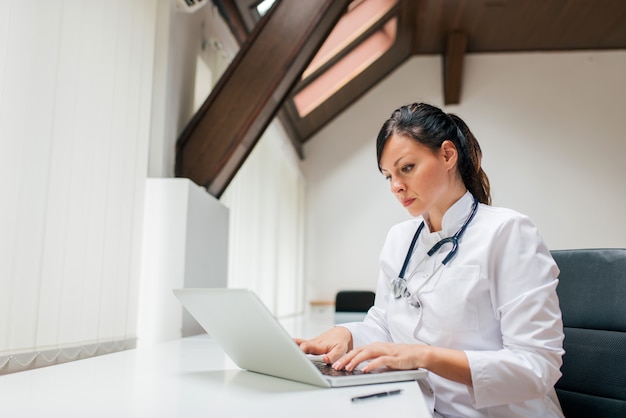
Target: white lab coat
(495, 300)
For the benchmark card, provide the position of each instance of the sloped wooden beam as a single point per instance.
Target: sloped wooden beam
(456, 47)
(249, 94)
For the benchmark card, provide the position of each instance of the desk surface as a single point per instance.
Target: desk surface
(191, 377)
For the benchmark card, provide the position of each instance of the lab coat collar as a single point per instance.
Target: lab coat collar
(453, 218)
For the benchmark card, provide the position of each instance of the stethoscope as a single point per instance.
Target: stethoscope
(399, 285)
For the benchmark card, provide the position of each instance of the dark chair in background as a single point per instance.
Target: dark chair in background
(352, 305)
(592, 295)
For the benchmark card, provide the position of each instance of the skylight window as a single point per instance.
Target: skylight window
(346, 69)
(361, 16)
(264, 6)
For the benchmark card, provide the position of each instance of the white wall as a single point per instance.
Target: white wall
(177, 44)
(551, 130)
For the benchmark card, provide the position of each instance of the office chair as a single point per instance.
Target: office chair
(592, 295)
(352, 305)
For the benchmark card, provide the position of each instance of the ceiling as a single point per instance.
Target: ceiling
(277, 52)
(453, 28)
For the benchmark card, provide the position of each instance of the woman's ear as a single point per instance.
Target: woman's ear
(449, 152)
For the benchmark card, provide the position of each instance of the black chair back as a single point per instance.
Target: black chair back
(592, 296)
(354, 300)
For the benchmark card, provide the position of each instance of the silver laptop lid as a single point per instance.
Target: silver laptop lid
(247, 331)
(252, 337)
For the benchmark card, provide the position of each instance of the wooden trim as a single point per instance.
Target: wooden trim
(248, 96)
(322, 303)
(453, 67)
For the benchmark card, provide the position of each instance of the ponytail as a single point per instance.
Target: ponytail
(474, 177)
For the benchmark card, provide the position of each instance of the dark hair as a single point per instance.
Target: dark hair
(430, 126)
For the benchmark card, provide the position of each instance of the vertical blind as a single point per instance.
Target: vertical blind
(75, 90)
(75, 100)
(266, 202)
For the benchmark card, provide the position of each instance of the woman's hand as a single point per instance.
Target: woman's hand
(334, 343)
(447, 363)
(390, 355)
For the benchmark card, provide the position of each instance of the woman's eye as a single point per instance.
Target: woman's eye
(407, 168)
(387, 178)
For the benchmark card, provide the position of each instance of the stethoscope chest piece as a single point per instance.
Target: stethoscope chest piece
(399, 287)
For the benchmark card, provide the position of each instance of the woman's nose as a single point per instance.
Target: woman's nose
(397, 185)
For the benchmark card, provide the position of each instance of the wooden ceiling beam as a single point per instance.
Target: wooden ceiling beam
(456, 47)
(419, 9)
(247, 97)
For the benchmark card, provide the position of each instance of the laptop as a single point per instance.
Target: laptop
(252, 337)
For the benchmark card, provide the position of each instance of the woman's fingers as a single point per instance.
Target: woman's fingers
(377, 363)
(311, 346)
(334, 343)
(394, 356)
(335, 353)
(352, 359)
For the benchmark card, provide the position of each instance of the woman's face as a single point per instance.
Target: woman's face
(419, 177)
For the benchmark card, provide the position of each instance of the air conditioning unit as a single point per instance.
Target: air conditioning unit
(190, 6)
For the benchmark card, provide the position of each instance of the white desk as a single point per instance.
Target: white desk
(190, 377)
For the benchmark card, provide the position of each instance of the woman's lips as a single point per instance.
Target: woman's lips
(407, 202)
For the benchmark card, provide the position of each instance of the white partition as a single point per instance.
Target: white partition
(185, 244)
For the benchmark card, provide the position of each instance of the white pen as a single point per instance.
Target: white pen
(377, 395)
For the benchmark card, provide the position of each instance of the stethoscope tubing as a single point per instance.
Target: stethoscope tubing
(399, 284)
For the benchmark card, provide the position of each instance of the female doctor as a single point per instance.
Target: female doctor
(466, 290)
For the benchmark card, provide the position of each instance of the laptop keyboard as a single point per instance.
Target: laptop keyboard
(327, 370)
